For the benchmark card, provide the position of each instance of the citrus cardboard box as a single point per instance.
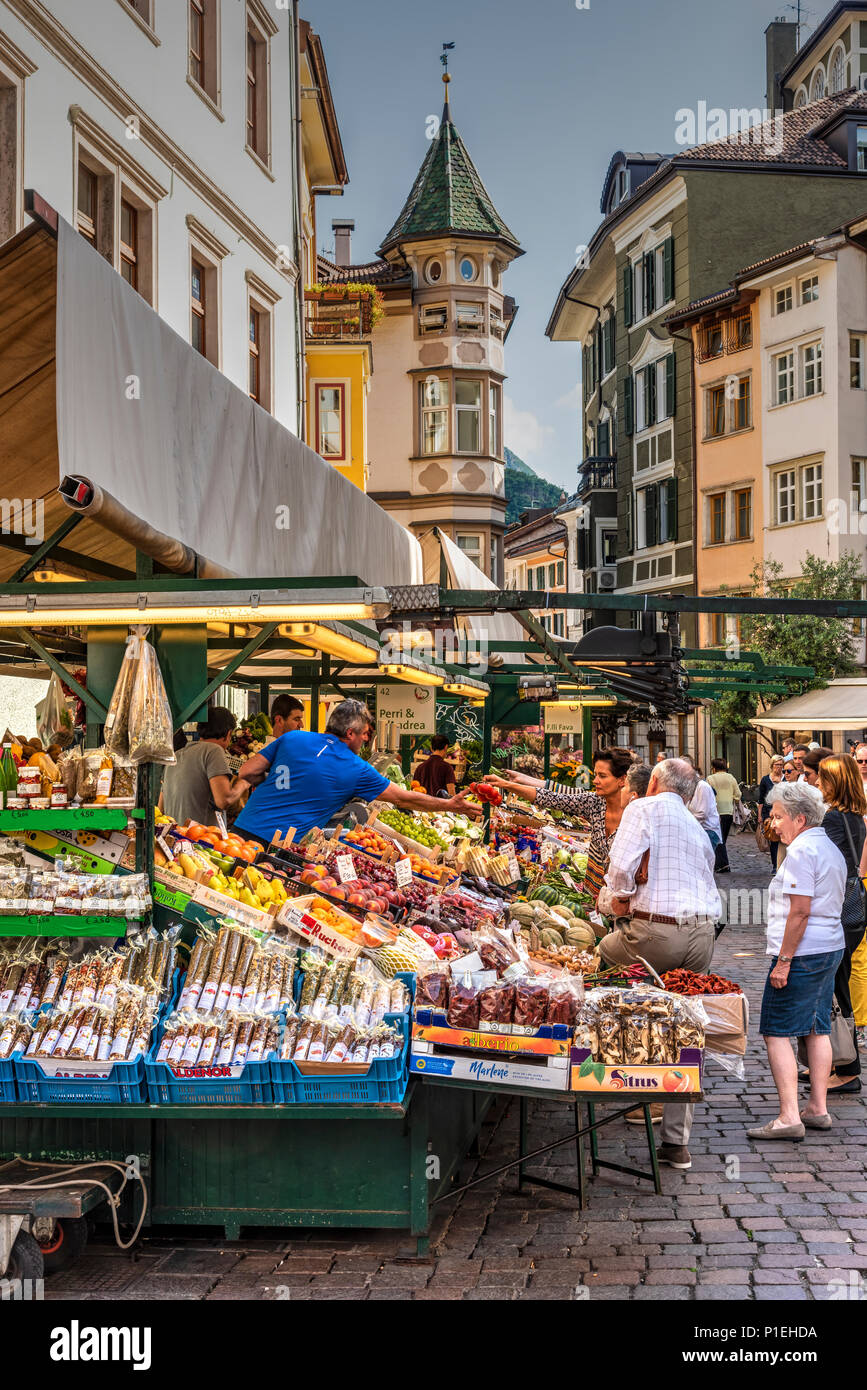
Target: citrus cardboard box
(296, 915)
(682, 1078)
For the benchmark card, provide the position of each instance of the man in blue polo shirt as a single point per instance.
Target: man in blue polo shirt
(305, 779)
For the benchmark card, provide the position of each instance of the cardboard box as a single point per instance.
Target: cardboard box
(682, 1078)
(729, 1016)
(295, 915)
(544, 1073)
(505, 1058)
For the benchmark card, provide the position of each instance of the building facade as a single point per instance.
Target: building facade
(434, 403)
(536, 557)
(671, 237)
(833, 59)
(165, 134)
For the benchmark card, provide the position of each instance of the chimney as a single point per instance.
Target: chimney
(343, 227)
(781, 45)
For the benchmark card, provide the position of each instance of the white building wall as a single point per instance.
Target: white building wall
(93, 55)
(807, 430)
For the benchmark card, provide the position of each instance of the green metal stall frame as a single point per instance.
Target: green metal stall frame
(293, 1165)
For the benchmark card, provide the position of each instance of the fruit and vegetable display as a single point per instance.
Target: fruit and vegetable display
(414, 827)
(223, 864)
(486, 792)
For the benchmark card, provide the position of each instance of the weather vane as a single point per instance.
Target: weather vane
(444, 56)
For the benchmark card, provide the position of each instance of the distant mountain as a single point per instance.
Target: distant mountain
(525, 490)
(512, 461)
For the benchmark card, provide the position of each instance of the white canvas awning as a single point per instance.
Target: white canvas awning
(479, 627)
(842, 706)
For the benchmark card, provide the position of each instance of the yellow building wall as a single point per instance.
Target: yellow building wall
(734, 461)
(347, 367)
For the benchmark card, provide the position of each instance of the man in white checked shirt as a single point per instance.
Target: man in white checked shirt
(668, 920)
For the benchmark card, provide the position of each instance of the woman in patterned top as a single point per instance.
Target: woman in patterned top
(601, 808)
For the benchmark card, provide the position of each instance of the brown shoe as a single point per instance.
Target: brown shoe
(636, 1117)
(675, 1156)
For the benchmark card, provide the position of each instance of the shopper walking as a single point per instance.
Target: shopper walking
(660, 889)
(727, 793)
(772, 778)
(703, 806)
(805, 941)
(843, 794)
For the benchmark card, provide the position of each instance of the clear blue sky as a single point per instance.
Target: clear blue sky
(543, 94)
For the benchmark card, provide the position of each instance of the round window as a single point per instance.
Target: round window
(434, 271)
(468, 269)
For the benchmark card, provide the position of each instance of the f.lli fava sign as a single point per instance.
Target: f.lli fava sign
(564, 720)
(410, 708)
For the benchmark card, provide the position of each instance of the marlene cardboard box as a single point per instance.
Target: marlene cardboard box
(540, 1060)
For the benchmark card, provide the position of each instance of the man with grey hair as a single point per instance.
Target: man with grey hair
(661, 890)
(303, 779)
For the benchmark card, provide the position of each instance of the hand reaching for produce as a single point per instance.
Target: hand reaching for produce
(463, 806)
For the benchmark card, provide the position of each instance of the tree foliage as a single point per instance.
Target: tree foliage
(825, 644)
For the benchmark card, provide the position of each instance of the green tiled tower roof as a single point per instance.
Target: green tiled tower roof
(448, 196)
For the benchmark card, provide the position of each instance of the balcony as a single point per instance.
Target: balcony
(337, 319)
(597, 474)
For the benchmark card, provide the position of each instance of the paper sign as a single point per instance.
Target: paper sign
(547, 851)
(403, 873)
(570, 882)
(220, 820)
(346, 868)
(565, 719)
(411, 709)
(514, 871)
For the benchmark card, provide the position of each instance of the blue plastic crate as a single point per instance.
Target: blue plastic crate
(124, 1083)
(212, 1085)
(7, 1081)
(379, 1081)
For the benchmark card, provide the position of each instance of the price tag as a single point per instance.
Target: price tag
(514, 871)
(547, 852)
(403, 873)
(568, 879)
(345, 868)
(220, 820)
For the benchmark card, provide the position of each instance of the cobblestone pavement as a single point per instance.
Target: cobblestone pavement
(749, 1221)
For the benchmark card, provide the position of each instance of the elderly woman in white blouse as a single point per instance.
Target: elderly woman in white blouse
(805, 940)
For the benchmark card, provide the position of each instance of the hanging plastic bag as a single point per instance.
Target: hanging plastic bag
(117, 719)
(150, 714)
(55, 720)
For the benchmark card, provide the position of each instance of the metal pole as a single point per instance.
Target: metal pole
(546, 759)
(487, 752)
(586, 733)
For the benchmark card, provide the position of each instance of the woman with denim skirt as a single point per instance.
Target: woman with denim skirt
(805, 941)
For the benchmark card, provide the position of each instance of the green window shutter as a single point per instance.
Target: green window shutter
(668, 269)
(628, 316)
(650, 394)
(585, 384)
(670, 385)
(649, 282)
(630, 524)
(630, 404)
(670, 486)
(651, 515)
(610, 327)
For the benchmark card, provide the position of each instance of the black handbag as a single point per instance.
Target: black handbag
(854, 911)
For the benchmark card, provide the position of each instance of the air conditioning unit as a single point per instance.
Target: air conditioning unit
(607, 579)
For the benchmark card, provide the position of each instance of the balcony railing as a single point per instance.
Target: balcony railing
(338, 320)
(597, 474)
